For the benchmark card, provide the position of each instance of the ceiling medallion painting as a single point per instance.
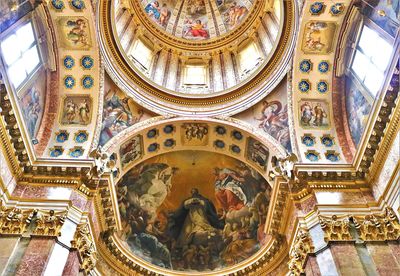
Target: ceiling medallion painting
(197, 17)
(193, 211)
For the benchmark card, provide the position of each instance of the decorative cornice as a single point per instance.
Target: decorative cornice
(84, 244)
(14, 221)
(383, 226)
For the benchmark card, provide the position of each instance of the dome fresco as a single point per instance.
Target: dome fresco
(197, 55)
(193, 211)
(197, 19)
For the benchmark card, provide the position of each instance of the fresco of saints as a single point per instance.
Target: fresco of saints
(274, 121)
(32, 112)
(306, 114)
(234, 14)
(195, 220)
(153, 10)
(320, 114)
(77, 34)
(196, 29)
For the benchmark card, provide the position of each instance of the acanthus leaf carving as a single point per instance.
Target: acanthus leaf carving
(14, 221)
(301, 247)
(85, 246)
(49, 223)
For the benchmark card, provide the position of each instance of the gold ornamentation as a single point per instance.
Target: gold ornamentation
(284, 166)
(301, 247)
(335, 229)
(83, 242)
(195, 131)
(378, 227)
(103, 163)
(375, 227)
(49, 223)
(14, 221)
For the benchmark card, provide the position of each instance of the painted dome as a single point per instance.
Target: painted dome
(197, 56)
(197, 19)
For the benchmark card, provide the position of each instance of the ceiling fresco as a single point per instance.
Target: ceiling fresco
(197, 19)
(194, 137)
(193, 210)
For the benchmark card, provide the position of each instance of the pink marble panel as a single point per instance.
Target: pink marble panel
(6, 249)
(5, 172)
(79, 201)
(346, 259)
(385, 262)
(333, 198)
(393, 157)
(395, 247)
(72, 266)
(36, 257)
(95, 221)
(312, 268)
(307, 205)
(41, 192)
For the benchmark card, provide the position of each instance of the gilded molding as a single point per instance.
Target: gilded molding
(373, 227)
(49, 223)
(84, 244)
(335, 229)
(14, 221)
(301, 247)
(378, 227)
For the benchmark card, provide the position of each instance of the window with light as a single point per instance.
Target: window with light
(142, 54)
(195, 75)
(249, 58)
(371, 59)
(20, 54)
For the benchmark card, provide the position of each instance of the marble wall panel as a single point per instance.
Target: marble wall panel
(385, 262)
(42, 192)
(8, 245)
(36, 256)
(346, 259)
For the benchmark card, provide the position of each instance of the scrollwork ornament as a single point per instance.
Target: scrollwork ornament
(85, 246)
(49, 223)
(14, 221)
(301, 247)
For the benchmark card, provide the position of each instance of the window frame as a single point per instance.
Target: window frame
(371, 25)
(138, 62)
(244, 72)
(28, 19)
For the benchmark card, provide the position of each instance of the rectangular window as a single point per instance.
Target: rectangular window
(21, 54)
(142, 54)
(371, 59)
(249, 58)
(195, 75)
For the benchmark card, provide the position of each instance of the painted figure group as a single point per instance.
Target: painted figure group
(199, 235)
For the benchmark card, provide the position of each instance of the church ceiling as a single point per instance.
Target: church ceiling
(138, 103)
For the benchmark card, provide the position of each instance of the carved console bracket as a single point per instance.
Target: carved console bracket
(374, 227)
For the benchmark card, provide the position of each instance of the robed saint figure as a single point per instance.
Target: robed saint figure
(194, 221)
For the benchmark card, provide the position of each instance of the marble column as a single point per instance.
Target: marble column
(312, 268)
(72, 266)
(346, 259)
(382, 255)
(8, 245)
(36, 256)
